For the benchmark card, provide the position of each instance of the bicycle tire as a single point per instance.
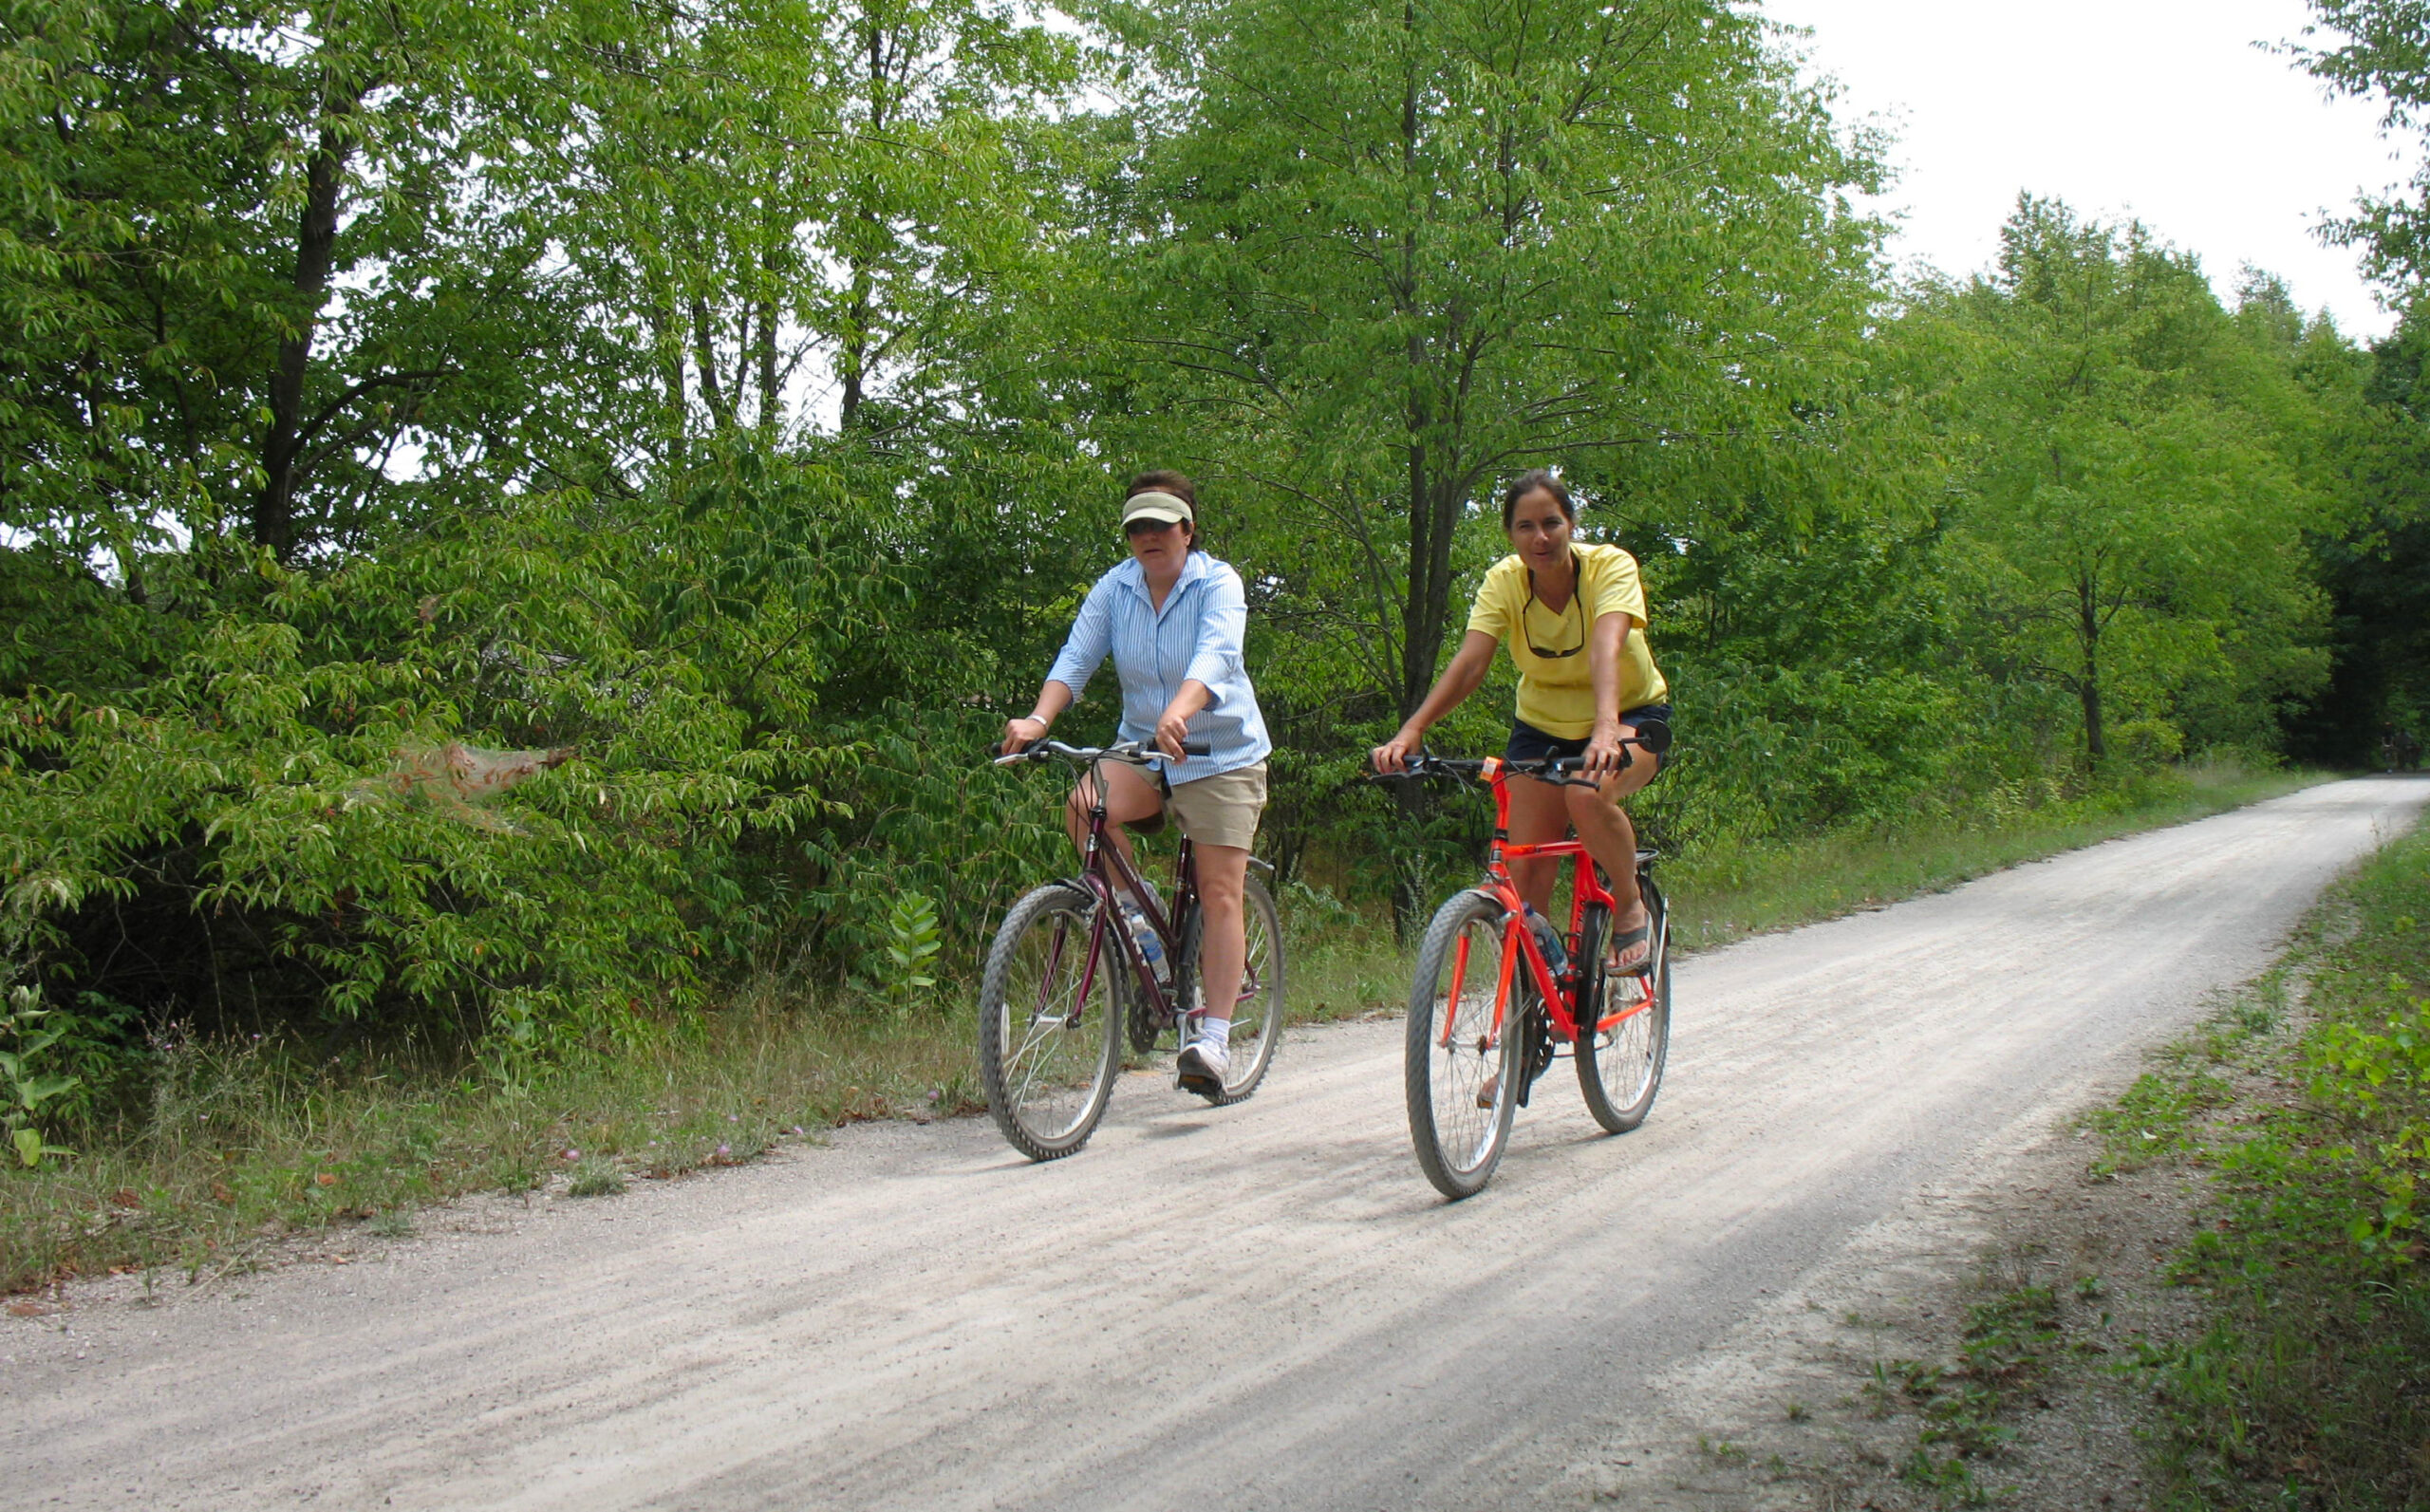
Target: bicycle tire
(1047, 1058)
(1448, 1061)
(1619, 1063)
(1258, 1017)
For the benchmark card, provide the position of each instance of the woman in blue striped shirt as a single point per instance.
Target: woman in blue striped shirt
(1173, 619)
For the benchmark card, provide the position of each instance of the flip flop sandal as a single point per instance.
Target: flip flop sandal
(1620, 942)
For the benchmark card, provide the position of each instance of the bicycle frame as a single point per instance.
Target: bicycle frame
(1559, 996)
(1103, 871)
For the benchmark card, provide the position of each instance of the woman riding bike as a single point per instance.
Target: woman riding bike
(1173, 619)
(1574, 618)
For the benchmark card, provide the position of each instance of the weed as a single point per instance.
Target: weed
(29, 1087)
(595, 1176)
(1950, 1481)
(1967, 1422)
(1797, 1411)
(915, 937)
(1916, 1378)
(1880, 1391)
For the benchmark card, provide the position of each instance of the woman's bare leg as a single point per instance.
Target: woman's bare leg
(1538, 816)
(1130, 797)
(1223, 935)
(1611, 839)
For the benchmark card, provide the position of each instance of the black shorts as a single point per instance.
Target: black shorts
(1527, 743)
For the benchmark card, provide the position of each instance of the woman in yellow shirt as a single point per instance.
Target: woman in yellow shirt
(1574, 618)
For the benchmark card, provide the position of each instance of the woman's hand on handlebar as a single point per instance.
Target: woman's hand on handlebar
(1392, 757)
(1604, 754)
(1021, 732)
(1172, 735)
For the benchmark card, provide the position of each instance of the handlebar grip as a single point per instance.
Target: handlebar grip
(1191, 748)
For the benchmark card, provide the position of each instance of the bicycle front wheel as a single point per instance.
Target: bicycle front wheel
(1462, 1065)
(1257, 1015)
(1621, 1049)
(1048, 1048)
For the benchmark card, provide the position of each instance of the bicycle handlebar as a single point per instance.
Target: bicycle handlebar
(1136, 752)
(1555, 770)
(1653, 737)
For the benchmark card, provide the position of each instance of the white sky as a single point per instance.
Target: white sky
(2161, 109)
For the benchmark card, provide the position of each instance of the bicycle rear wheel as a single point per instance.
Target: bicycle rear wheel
(1047, 1051)
(1462, 1067)
(1620, 1054)
(1256, 1018)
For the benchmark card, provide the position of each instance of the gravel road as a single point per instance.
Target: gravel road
(1263, 1306)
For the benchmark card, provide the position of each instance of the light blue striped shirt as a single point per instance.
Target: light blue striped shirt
(1199, 635)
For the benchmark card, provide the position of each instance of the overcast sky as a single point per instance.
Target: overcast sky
(2161, 109)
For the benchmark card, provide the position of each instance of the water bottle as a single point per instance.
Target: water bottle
(1547, 940)
(1151, 947)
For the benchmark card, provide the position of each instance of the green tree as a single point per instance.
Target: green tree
(2379, 50)
(2133, 505)
(221, 222)
(1373, 256)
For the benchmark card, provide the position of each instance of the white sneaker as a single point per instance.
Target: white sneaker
(1201, 1066)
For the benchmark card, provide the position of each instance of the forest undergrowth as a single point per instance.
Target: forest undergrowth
(203, 1156)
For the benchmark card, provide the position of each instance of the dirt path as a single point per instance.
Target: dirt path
(1256, 1307)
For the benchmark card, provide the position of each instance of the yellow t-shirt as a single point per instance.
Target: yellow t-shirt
(1557, 693)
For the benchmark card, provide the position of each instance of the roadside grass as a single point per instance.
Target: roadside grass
(2011, 1341)
(2037, 1327)
(224, 1151)
(2308, 1386)
(1728, 894)
(2170, 1110)
(216, 1153)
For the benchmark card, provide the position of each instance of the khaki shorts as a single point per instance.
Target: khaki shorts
(1221, 810)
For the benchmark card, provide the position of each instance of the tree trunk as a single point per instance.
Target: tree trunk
(316, 244)
(666, 343)
(852, 362)
(2088, 680)
(1418, 647)
(766, 353)
(704, 353)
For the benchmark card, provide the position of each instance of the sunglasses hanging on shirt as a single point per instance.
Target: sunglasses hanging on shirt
(1577, 596)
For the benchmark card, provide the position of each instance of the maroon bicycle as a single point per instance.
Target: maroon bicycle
(1066, 983)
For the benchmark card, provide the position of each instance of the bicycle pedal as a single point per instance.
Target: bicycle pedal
(1206, 1086)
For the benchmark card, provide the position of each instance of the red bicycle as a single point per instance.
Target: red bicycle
(1487, 1009)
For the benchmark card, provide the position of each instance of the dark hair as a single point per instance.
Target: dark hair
(1530, 482)
(1165, 480)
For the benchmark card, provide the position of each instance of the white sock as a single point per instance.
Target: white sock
(1217, 1029)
